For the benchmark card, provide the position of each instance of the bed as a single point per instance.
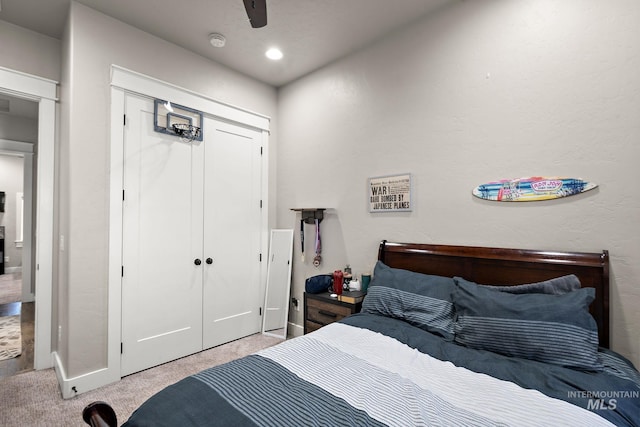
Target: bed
(448, 335)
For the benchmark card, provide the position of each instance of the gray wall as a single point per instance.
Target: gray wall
(20, 129)
(29, 52)
(477, 91)
(474, 92)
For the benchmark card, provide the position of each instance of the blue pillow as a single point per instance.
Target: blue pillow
(557, 286)
(422, 300)
(556, 329)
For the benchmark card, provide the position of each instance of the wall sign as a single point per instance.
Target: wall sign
(390, 193)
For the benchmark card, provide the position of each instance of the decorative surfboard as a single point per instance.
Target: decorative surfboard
(532, 189)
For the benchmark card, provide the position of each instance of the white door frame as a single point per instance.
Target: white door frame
(124, 80)
(43, 91)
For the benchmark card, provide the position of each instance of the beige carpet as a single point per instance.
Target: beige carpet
(34, 399)
(10, 337)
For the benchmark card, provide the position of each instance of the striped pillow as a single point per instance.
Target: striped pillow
(618, 365)
(422, 300)
(556, 329)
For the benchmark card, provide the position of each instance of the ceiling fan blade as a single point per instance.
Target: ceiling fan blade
(257, 12)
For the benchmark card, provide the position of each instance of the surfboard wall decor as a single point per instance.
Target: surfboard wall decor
(532, 189)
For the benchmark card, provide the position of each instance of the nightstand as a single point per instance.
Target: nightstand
(321, 309)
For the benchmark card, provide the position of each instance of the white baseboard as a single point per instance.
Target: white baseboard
(71, 387)
(294, 330)
(17, 269)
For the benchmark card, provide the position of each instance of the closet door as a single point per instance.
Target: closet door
(162, 237)
(232, 232)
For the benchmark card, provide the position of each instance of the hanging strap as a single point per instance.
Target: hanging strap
(318, 259)
(318, 241)
(302, 237)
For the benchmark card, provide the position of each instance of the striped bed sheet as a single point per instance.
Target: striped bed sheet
(400, 386)
(350, 374)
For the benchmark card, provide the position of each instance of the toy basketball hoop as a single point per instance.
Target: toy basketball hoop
(177, 120)
(187, 132)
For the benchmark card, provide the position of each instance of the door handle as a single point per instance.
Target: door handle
(209, 261)
(327, 313)
(197, 261)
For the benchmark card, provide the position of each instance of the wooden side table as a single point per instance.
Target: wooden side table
(321, 309)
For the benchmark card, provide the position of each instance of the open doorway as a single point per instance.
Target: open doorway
(44, 93)
(18, 143)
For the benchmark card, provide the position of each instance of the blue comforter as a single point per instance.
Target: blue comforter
(373, 370)
(614, 393)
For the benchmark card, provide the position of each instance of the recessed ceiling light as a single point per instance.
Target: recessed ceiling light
(217, 40)
(274, 53)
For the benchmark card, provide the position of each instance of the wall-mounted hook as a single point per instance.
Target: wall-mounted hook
(309, 215)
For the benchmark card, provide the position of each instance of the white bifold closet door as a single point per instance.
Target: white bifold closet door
(232, 232)
(191, 238)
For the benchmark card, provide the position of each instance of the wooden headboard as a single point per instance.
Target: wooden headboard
(499, 266)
